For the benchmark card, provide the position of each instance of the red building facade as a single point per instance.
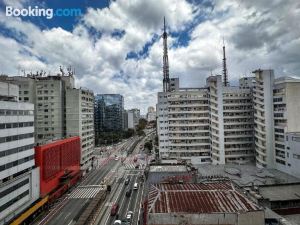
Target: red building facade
(59, 163)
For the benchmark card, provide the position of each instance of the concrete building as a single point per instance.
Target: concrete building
(47, 93)
(80, 121)
(247, 82)
(151, 114)
(292, 151)
(108, 112)
(53, 118)
(188, 125)
(203, 203)
(231, 122)
(125, 120)
(286, 106)
(133, 118)
(19, 179)
(263, 118)
(209, 124)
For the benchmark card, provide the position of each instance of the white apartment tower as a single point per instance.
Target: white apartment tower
(203, 125)
(19, 179)
(263, 118)
(188, 125)
(80, 121)
(286, 93)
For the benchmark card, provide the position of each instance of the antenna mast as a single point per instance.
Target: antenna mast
(225, 75)
(166, 79)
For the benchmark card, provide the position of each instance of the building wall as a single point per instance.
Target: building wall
(130, 120)
(291, 160)
(247, 218)
(238, 125)
(188, 125)
(47, 93)
(18, 178)
(54, 160)
(216, 119)
(26, 187)
(80, 122)
(263, 118)
(162, 124)
(108, 112)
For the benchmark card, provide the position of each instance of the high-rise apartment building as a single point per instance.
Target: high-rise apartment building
(188, 125)
(263, 118)
(108, 111)
(209, 124)
(231, 122)
(49, 95)
(19, 179)
(256, 121)
(286, 106)
(80, 121)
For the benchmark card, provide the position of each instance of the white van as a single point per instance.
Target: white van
(135, 186)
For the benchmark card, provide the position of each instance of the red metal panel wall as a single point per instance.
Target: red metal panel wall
(51, 162)
(54, 159)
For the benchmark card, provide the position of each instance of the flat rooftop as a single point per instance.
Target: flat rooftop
(168, 168)
(216, 197)
(246, 175)
(280, 192)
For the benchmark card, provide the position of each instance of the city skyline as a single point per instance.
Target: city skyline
(122, 47)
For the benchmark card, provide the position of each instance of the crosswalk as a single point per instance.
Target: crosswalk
(86, 192)
(129, 166)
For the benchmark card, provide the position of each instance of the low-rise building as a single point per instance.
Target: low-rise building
(199, 204)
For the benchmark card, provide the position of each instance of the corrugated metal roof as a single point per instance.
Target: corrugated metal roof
(218, 197)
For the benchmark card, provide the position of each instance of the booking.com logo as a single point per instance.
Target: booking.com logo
(36, 11)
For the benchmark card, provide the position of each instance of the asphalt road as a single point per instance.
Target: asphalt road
(69, 209)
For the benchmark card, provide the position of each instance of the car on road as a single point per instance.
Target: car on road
(117, 222)
(114, 209)
(128, 193)
(127, 181)
(129, 216)
(117, 158)
(137, 166)
(135, 186)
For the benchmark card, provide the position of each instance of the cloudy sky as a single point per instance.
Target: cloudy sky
(116, 46)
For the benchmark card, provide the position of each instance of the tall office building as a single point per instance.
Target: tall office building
(48, 94)
(133, 118)
(151, 114)
(19, 179)
(80, 121)
(108, 111)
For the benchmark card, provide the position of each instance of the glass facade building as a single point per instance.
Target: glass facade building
(108, 112)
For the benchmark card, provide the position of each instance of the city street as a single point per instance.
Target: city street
(113, 166)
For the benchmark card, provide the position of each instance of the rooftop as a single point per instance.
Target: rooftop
(246, 175)
(216, 197)
(168, 168)
(280, 192)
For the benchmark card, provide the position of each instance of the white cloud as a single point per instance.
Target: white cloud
(258, 34)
